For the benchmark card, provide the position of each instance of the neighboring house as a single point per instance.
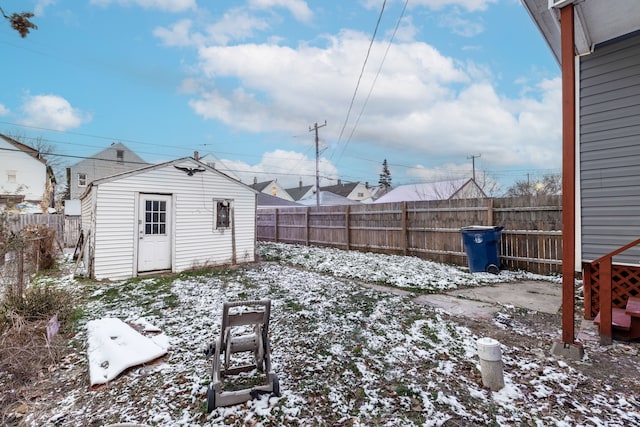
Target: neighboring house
(272, 188)
(269, 201)
(355, 191)
(327, 198)
(110, 161)
(301, 191)
(173, 216)
(597, 44)
(441, 190)
(24, 175)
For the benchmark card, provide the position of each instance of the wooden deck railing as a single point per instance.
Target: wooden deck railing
(604, 265)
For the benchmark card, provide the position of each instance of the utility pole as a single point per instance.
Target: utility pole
(473, 164)
(316, 127)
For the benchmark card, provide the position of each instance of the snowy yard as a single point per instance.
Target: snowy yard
(346, 355)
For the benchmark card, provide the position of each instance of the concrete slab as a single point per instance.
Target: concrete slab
(484, 301)
(545, 297)
(458, 306)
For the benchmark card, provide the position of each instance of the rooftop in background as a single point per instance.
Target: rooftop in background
(442, 190)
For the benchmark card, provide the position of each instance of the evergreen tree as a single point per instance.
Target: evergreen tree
(385, 176)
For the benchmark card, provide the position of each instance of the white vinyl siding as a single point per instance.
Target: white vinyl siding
(194, 241)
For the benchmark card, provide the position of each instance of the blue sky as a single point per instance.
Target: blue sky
(241, 82)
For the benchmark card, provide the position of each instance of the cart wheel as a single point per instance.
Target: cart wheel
(211, 399)
(493, 269)
(276, 386)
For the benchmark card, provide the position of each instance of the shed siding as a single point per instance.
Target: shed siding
(610, 149)
(194, 241)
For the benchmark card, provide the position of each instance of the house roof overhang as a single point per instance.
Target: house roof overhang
(596, 21)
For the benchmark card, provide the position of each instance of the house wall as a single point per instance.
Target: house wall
(195, 243)
(359, 193)
(30, 173)
(609, 115)
(102, 165)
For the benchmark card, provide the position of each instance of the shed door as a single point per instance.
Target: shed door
(154, 232)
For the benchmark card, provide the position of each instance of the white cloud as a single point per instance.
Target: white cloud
(40, 6)
(52, 112)
(470, 5)
(298, 8)
(166, 5)
(288, 167)
(422, 100)
(443, 172)
(178, 34)
(461, 26)
(4, 110)
(235, 25)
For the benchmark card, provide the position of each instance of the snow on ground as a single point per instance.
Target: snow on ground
(345, 354)
(390, 270)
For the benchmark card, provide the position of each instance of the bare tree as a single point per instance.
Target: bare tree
(488, 183)
(21, 22)
(550, 184)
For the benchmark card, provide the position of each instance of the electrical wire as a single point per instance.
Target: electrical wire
(364, 105)
(364, 64)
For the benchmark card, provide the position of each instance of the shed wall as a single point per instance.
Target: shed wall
(610, 149)
(195, 243)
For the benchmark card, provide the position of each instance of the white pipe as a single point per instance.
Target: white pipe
(491, 363)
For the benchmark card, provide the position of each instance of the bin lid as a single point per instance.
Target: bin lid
(481, 228)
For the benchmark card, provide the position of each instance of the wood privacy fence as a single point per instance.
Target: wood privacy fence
(67, 227)
(531, 239)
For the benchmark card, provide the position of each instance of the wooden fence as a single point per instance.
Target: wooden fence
(531, 239)
(67, 227)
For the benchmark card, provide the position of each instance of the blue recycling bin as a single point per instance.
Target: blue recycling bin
(482, 245)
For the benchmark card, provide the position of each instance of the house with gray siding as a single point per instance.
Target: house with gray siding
(168, 217)
(115, 159)
(597, 44)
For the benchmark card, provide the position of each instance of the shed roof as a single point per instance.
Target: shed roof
(178, 163)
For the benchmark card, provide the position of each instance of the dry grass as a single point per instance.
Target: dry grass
(26, 354)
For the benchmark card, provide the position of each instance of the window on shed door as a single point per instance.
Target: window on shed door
(155, 217)
(12, 176)
(82, 180)
(222, 214)
(120, 156)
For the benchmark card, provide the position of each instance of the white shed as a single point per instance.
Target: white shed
(171, 217)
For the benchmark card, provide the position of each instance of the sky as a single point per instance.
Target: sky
(438, 88)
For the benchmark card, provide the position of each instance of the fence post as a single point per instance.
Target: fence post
(347, 226)
(405, 231)
(306, 228)
(275, 224)
(490, 212)
(20, 281)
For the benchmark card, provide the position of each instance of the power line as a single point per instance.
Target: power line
(355, 92)
(366, 101)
